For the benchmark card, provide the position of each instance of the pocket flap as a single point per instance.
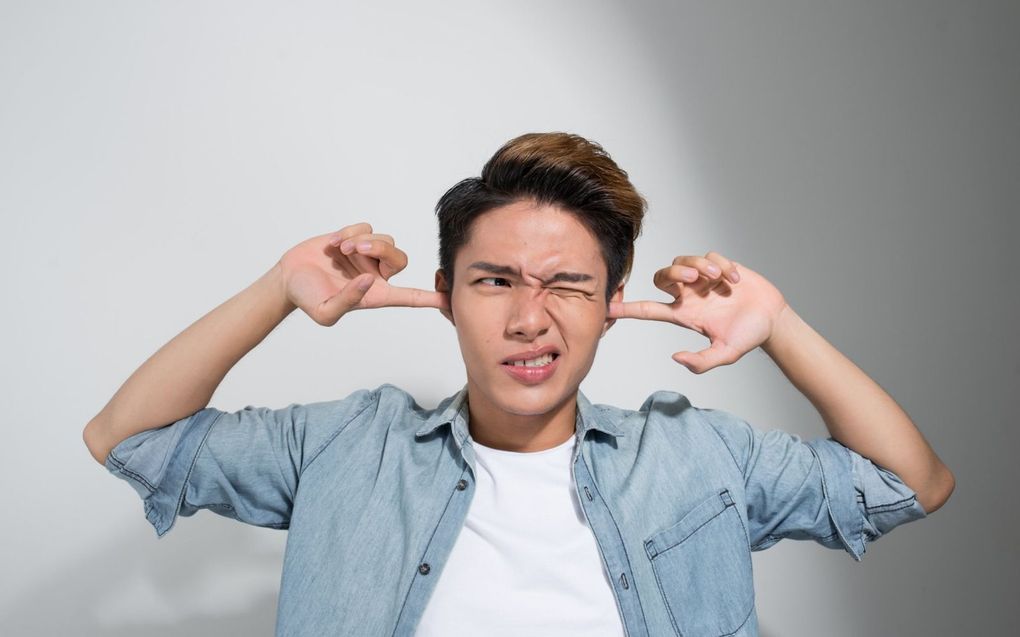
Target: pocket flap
(698, 517)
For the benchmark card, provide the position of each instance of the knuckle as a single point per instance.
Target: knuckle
(720, 258)
(354, 230)
(398, 257)
(324, 319)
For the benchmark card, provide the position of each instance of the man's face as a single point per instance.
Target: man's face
(529, 288)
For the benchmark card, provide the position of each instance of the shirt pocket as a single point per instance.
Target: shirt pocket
(702, 565)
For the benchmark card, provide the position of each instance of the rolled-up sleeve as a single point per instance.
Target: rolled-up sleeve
(818, 490)
(244, 465)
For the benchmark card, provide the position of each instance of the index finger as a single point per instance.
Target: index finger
(413, 297)
(646, 310)
(385, 253)
(352, 230)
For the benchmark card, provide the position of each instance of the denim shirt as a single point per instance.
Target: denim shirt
(374, 490)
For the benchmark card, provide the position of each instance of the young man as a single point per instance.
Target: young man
(517, 506)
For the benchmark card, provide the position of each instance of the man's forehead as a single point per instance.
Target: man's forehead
(538, 241)
(529, 259)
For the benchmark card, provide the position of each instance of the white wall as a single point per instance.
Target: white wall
(155, 158)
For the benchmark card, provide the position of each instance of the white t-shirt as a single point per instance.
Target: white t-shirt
(526, 561)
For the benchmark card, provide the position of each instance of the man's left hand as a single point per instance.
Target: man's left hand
(734, 306)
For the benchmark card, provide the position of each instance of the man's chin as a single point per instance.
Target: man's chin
(534, 400)
(507, 395)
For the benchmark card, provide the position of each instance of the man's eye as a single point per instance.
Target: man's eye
(494, 281)
(567, 291)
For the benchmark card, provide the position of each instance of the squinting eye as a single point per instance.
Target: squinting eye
(495, 281)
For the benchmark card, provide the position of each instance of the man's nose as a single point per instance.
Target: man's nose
(529, 316)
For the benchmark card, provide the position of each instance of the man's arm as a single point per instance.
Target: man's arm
(739, 310)
(180, 378)
(325, 276)
(858, 413)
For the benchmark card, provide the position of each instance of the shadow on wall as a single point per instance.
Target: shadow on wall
(207, 577)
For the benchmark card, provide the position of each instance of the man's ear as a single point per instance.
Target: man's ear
(444, 287)
(616, 298)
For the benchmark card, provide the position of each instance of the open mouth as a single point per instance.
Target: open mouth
(533, 368)
(539, 361)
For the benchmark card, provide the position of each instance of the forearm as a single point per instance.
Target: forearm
(856, 410)
(180, 378)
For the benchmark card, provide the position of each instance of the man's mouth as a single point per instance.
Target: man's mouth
(533, 367)
(540, 361)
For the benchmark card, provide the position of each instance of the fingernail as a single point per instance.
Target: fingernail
(335, 240)
(713, 270)
(364, 246)
(346, 247)
(734, 276)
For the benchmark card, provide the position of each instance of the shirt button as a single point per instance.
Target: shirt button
(424, 568)
(461, 485)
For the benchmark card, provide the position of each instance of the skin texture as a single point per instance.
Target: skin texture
(501, 313)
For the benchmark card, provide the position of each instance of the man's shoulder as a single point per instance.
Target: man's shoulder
(393, 406)
(386, 394)
(365, 421)
(668, 425)
(663, 409)
(659, 405)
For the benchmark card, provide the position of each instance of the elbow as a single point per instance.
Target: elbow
(93, 441)
(940, 487)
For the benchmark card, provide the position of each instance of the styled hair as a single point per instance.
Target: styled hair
(558, 169)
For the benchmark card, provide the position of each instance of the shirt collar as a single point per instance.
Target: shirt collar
(453, 411)
(591, 416)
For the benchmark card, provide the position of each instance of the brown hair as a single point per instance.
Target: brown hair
(558, 169)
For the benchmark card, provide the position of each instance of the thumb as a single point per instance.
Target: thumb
(329, 311)
(700, 362)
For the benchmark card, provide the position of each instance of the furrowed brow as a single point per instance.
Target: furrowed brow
(569, 277)
(505, 270)
(492, 268)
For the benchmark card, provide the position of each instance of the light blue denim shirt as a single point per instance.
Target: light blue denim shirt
(375, 489)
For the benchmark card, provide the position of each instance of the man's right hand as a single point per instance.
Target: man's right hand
(331, 274)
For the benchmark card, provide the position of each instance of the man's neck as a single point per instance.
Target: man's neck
(498, 429)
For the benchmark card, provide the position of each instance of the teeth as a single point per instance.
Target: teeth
(534, 362)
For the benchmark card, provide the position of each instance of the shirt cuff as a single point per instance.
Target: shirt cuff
(864, 500)
(158, 462)
(840, 495)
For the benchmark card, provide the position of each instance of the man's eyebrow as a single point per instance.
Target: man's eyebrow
(505, 270)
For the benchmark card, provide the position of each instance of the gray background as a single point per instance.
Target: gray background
(156, 158)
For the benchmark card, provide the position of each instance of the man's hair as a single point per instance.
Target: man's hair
(558, 169)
